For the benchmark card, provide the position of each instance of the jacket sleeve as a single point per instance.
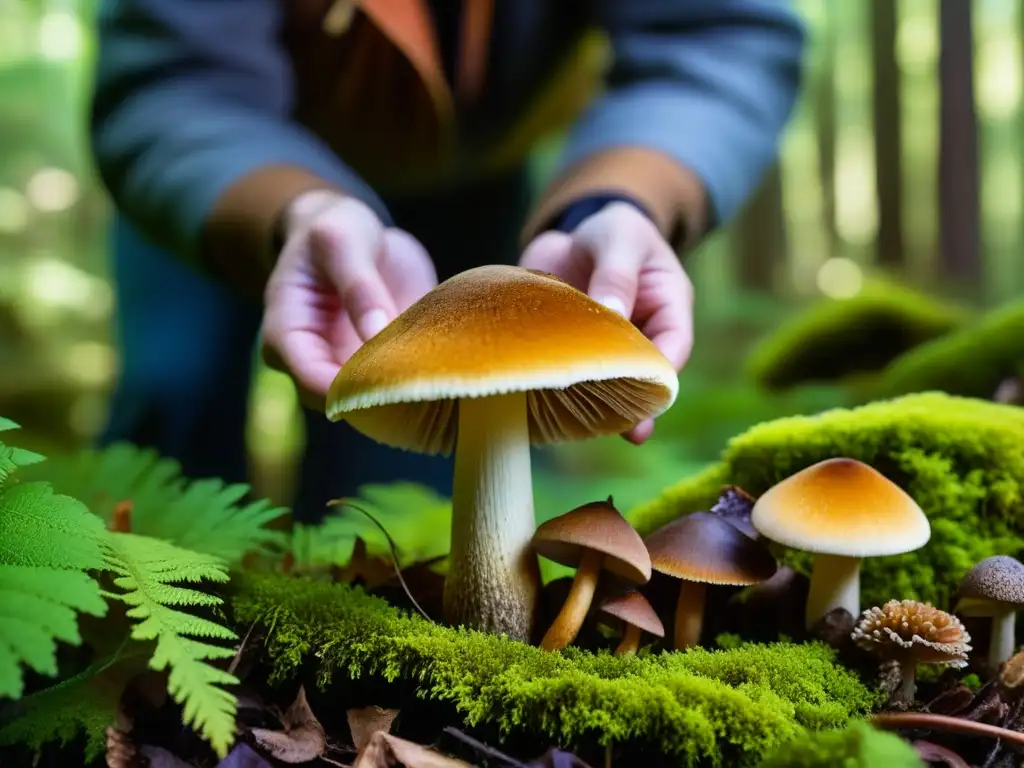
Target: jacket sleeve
(697, 96)
(191, 129)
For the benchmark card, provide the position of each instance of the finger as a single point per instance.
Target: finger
(346, 245)
(406, 266)
(667, 312)
(618, 250)
(641, 433)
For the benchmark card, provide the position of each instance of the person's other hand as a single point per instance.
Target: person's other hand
(618, 257)
(340, 278)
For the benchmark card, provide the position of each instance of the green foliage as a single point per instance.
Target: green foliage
(856, 746)
(147, 570)
(962, 460)
(835, 338)
(971, 362)
(48, 543)
(55, 553)
(204, 516)
(416, 517)
(719, 707)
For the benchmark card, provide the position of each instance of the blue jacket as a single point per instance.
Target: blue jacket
(194, 97)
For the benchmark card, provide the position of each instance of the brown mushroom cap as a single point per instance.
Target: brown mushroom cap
(494, 330)
(907, 628)
(841, 507)
(600, 527)
(993, 585)
(633, 608)
(703, 547)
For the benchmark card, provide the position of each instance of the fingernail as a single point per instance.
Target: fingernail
(614, 303)
(373, 323)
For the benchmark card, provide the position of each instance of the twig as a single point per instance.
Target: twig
(895, 720)
(241, 647)
(351, 504)
(478, 746)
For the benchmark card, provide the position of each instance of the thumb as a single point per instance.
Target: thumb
(346, 243)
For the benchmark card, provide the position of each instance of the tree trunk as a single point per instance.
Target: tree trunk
(760, 236)
(889, 245)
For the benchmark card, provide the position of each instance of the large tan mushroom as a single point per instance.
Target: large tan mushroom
(841, 510)
(589, 538)
(702, 549)
(490, 361)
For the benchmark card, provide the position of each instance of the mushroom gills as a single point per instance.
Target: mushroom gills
(494, 579)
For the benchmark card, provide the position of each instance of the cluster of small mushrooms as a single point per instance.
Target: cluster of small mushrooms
(498, 359)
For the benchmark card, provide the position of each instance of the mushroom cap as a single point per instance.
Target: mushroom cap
(703, 547)
(633, 608)
(494, 330)
(992, 586)
(907, 629)
(600, 527)
(841, 507)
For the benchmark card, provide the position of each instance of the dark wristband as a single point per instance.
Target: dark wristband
(573, 214)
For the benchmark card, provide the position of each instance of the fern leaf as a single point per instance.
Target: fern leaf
(85, 703)
(11, 457)
(144, 569)
(47, 543)
(205, 515)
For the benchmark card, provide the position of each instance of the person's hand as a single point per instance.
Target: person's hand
(619, 258)
(340, 278)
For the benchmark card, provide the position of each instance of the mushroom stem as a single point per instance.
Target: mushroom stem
(1003, 641)
(567, 623)
(493, 580)
(689, 613)
(630, 641)
(835, 583)
(907, 688)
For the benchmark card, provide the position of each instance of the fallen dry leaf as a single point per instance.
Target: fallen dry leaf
(302, 738)
(366, 721)
(387, 751)
(371, 570)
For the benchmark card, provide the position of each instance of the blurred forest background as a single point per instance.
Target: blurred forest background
(905, 155)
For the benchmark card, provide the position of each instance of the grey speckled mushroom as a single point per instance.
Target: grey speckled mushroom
(994, 588)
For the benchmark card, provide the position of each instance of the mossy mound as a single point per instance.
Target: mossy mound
(961, 459)
(700, 707)
(837, 338)
(856, 746)
(971, 362)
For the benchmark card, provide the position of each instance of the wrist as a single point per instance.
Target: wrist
(573, 214)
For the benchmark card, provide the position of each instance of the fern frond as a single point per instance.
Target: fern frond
(11, 457)
(145, 569)
(48, 543)
(205, 515)
(85, 703)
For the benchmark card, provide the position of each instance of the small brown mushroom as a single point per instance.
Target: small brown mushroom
(994, 588)
(636, 615)
(702, 549)
(910, 633)
(589, 538)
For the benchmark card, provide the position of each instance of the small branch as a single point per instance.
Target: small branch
(895, 720)
(350, 503)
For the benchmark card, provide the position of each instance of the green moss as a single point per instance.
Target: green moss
(971, 362)
(961, 459)
(856, 746)
(700, 707)
(836, 338)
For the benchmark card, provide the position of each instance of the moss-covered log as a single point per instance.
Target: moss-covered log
(701, 707)
(837, 338)
(971, 362)
(961, 459)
